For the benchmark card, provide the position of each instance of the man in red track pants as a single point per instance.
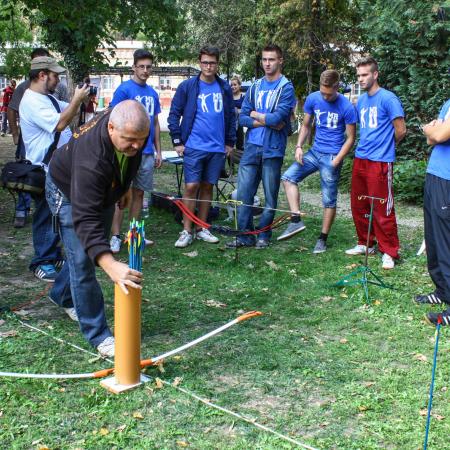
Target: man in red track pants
(382, 126)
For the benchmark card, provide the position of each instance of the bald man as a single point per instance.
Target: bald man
(86, 178)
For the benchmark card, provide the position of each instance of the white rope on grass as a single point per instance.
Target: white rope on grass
(240, 417)
(186, 392)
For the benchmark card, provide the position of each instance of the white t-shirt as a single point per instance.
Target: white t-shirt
(38, 120)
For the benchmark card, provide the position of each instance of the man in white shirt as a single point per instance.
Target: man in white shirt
(44, 123)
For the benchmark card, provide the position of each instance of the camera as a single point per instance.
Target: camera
(92, 89)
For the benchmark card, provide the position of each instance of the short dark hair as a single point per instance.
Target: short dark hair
(210, 51)
(329, 78)
(368, 61)
(39, 52)
(273, 48)
(141, 53)
(34, 73)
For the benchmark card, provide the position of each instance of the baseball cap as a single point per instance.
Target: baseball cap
(46, 62)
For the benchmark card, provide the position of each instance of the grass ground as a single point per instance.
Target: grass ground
(320, 366)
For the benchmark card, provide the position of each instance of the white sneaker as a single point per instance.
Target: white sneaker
(106, 348)
(359, 250)
(72, 313)
(115, 244)
(387, 262)
(184, 240)
(205, 235)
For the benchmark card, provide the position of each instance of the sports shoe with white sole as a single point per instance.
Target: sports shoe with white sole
(435, 318)
(205, 235)
(46, 272)
(359, 250)
(321, 246)
(184, 240)
(387, 262)
(107, 347)
(72, 313)
(292, 229)
(115, 244)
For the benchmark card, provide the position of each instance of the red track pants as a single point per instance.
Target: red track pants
(374, 178)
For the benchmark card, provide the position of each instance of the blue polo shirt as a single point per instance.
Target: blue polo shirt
(376, 132)
(208, 130)
(330, 119)
(439, 163)
(145, 94)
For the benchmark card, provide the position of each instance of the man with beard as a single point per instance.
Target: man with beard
(44, 124)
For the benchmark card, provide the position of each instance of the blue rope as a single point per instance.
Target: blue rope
(433, 373)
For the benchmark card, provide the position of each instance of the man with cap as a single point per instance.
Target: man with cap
(44, 123)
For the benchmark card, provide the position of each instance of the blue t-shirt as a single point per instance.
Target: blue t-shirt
(439, 164)
(208, 130)
(263, 103)
(376, 131)
(330, 119)
(145, 94)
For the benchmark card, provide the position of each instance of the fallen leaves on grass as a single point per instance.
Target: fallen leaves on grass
(420, 357)
(343, 341)
(103, 431)
(10, 333)
(351, 266)
(1, 322)
(368, 383)
(121, 428)
(138, 415)
(327, 298)
(215, 304)
(182, 444)
(159, 383)
(160, 365)
(272, 265)
(191, 254)
(363, 408)
(177, 381)
(377, 302)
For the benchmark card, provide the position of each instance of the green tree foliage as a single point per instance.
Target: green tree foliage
(77, 29)
(218, 23)
(411, 41)
(316, 35)
(15, 40)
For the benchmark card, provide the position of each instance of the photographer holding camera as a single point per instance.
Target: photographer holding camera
(44, 124)
(88, 107)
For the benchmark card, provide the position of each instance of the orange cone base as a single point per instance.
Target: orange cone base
(112, 385)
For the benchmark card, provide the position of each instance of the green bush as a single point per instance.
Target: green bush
(409, 179)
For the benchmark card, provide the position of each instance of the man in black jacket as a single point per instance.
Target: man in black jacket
(86, 178)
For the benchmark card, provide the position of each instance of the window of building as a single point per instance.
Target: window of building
(108, 82)
(165, 83)
(3, 82)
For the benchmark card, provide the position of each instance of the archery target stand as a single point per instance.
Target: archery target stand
(363, 272)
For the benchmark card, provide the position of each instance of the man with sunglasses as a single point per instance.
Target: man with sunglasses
(202, 127)
(137, 89)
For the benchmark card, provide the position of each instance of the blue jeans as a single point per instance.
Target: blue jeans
(77, 284)
(314, 161)
(252, 169)
(45, 240)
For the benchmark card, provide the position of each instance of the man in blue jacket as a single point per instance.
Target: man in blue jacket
(202, 127)
(266, 113)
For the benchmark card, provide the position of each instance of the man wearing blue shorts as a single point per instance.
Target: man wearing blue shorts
(335, 120)
(202, 126)
(137, 89)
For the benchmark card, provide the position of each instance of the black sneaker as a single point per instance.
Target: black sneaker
(429, 299)
(435, 318)
(238, 243)
(46, 272)
(59, 264)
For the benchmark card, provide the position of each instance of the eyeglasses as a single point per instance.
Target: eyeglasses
(142, 67)
(208, 63)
